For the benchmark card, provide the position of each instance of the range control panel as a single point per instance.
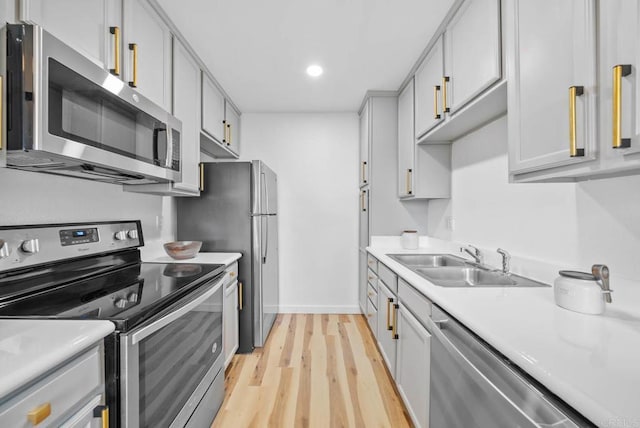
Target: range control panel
(25, 246)
(78, 236)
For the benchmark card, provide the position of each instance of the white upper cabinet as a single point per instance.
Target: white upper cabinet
(213, 104)
(552, 83)
(428, 90)
(619, 23)
(147, 52)
(406, 142)
(472, 52)
(186, 107)
(232, 124)
(365, 163)
(85, 25)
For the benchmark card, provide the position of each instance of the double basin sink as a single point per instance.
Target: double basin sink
(446, 270)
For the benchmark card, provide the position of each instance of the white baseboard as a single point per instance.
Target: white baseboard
(295, 309)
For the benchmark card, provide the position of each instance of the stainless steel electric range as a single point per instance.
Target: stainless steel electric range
(164, 361)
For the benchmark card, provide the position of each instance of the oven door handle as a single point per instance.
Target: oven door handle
(164, 321)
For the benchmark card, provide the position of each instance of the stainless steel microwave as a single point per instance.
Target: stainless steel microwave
(66, 115)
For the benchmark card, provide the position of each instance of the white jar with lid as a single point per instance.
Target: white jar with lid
(579, 292)
(409, 239)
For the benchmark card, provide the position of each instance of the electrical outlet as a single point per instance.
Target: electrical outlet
(451, 224)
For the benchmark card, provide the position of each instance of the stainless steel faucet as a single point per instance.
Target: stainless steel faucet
(506, 258)
(476, 253)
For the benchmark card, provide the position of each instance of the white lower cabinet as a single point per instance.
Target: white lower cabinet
(413, 366)
(230, 321)
(232, 305)
(387, 303)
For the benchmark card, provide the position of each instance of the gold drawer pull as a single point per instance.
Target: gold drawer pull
(240, 304)
(619, 71)
(389, 302)
(370, 294)
(436, 89)
(409, 173)
(39, 414)
(116, 51)
(370, 278)
(105, 417)
(364, 172)
(574, 92)
(363, 200)
(232, 274)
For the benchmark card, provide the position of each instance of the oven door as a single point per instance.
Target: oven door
(168, 364)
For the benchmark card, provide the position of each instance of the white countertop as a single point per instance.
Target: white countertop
(590, 361)
(30, 348)
(202, 258)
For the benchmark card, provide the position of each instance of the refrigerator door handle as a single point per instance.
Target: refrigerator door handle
(266, 196)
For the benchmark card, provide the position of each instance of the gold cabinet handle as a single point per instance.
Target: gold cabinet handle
(574, 92)
(105, 417)
(232, 274)
(39, 413)
(445, 107)
(363, 198)
(394, 330)
(240, 301)
(369, 315)
(364, 172)
(436, 89)
(619, 71)
(133, 47)
(226, 130)
(229, 137)
(370, 278)
(389, 302)
(370, 294)
(201, 166)
(116, 51)
(409, 173)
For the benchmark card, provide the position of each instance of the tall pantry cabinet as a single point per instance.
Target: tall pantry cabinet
(381, 212)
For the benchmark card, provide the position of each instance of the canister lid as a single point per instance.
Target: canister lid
(577, 275)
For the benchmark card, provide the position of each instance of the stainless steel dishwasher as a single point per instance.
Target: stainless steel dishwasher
(474, 386)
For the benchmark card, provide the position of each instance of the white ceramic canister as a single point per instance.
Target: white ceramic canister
(409, 239)
(579, 292)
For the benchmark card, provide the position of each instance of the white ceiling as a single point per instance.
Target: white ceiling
(258, 50)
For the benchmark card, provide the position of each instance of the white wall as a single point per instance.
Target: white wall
(573, 224)
(314, 156)
(34, 198)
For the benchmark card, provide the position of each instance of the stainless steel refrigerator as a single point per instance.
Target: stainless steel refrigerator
(237, 212)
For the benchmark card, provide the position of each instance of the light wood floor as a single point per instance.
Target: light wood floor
(314, 371)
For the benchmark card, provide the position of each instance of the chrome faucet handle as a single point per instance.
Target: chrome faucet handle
(601, 272)
(476, 253)
(506, 258)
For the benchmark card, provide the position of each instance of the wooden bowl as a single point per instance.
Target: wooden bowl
(181, 250)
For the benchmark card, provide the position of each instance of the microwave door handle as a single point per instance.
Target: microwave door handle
(169, 318)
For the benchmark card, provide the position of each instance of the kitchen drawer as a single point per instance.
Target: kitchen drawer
(372, 262)
(372, 294)
(372, 317)
(372, 277)
(230, 274)
(389, 278)
(413, 300)
(65, 391)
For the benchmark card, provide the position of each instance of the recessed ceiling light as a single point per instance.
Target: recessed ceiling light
(314, 70)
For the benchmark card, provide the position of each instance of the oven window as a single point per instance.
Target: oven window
(83, 111)
(174, 360)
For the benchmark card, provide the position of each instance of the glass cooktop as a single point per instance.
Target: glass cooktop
(125, 294)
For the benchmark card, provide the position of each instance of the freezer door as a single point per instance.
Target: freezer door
(265, 268)
(265, 185)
